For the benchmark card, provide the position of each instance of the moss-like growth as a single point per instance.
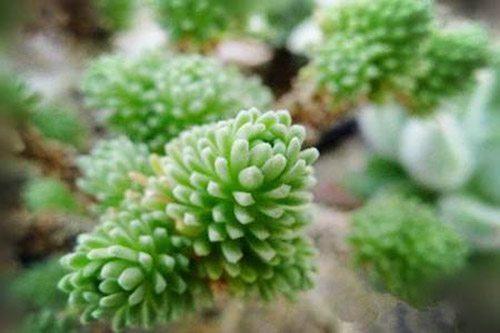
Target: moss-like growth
(226, 207)
(115, 15)
(48, 195)
(453, 57)
(132, 270)
(201, 21)
(404, 247)
(152, 100)
(239, 189)
(374, 46)
(17, 101)
(111, 169)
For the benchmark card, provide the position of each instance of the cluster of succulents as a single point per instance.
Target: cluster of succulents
(152, 99)
(404, 247)
(376, 49)
(226, 207)
(111, 169)
(49, 195)
(201, 21)
(449, 159)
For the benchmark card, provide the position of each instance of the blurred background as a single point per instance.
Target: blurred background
(47, 47)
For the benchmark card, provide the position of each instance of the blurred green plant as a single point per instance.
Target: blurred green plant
(60, 124)
(49, 195)
(201, 21)
(111, 169)
(115, 15)
(225, 209)
(47, 321)
(152, 99)
(453, 56)
(405, 248)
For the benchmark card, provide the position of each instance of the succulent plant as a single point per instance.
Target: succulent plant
(404, 247)
(200, 21)
(61, 124)
(111, 169)
(239, 190)
(115, 14)
(436, 154)
(453, 57)
(479, 222)
(49, 195)
(381, 127)
(152, 100)
(372, 46)
(132, 270)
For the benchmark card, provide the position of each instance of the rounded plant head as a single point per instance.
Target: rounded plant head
(386, 38)
(452, 60)
(131, 270)
(113, 168)
(152, 100)
(240, 190)
(404, 247)
(201, 21)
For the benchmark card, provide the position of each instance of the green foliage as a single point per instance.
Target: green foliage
(63, 125)
(152, 100)
(49, 195)
(47, 321)
(36, 286)
(17, 101)
(487, 177)
(240, 189)
(115, 14)
(404, 247)
(372, 46)
(108, 171)
(132, 269)
(452, 58)
(200, 21)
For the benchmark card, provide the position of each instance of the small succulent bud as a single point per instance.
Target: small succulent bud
(152, 100)
(435, 152)
(113, 168)
(404, 247)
